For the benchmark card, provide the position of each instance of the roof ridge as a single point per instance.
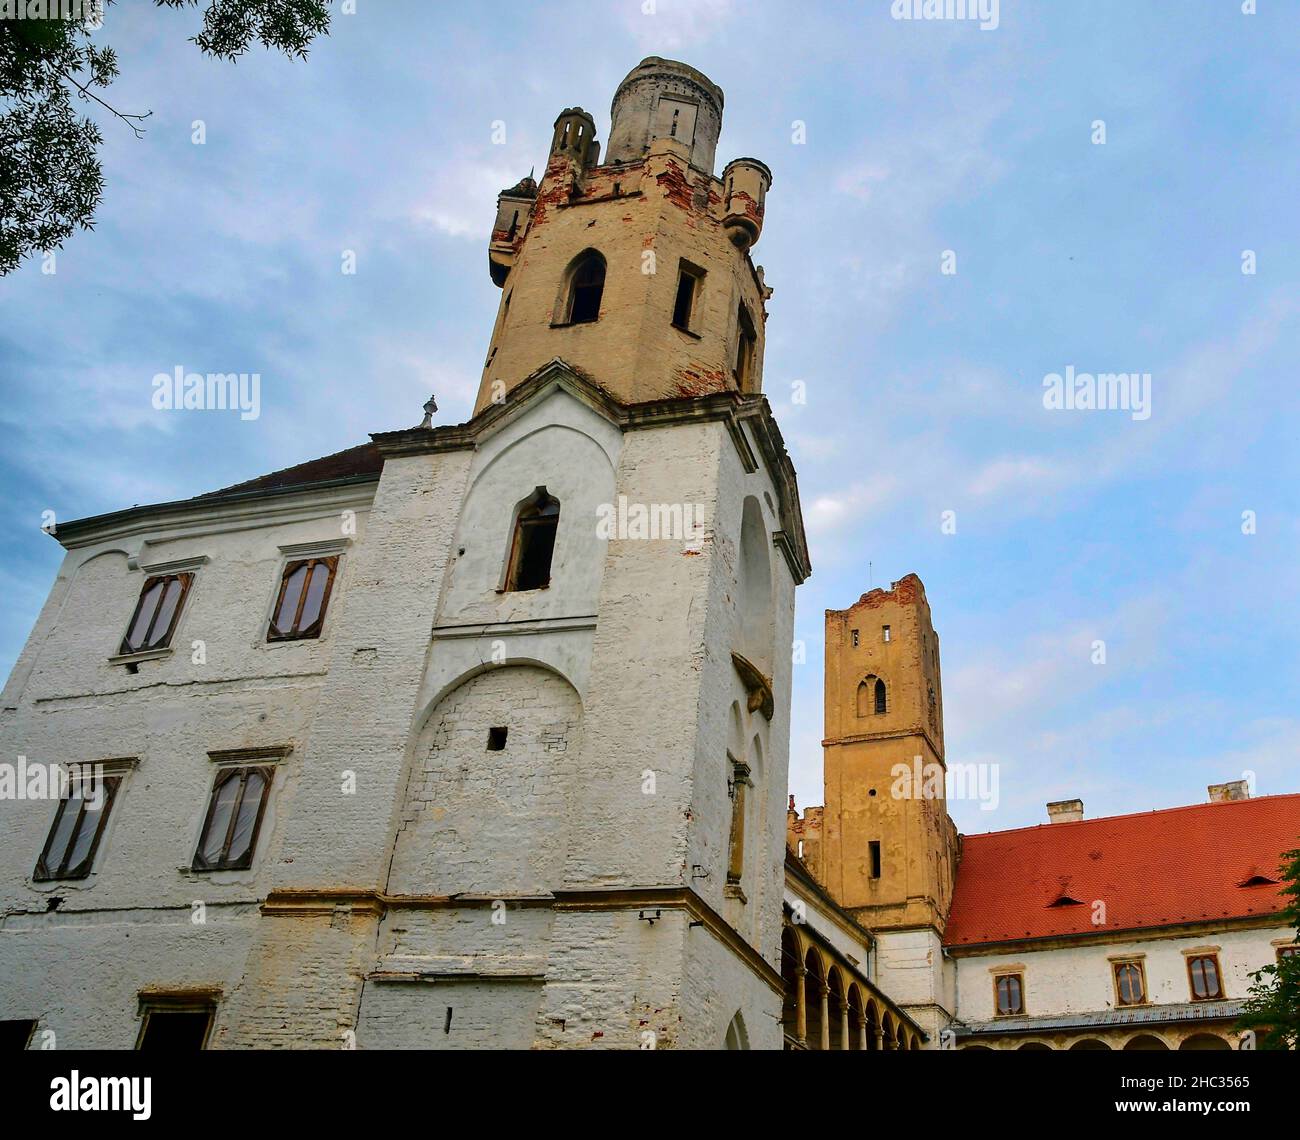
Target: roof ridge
(1131, 815)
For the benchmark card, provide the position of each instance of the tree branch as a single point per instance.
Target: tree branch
(86, 93)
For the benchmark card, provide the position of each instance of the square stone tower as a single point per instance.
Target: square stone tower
(884, 844)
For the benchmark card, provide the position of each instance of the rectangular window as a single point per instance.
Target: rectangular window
(177, 1023)
(234, 817)
(884, 632)
(855, 639)
(1010, 994)
(305, 587)
(1203, 971)
(689, 280)
(156, 612)
(874, 847)
(78, 825)
(15, 1034)
(1130, 983)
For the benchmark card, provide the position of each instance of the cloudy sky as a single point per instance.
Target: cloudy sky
(924, 389)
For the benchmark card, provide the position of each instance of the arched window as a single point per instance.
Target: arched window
(533, 542)
(737, 1036)
(586, 284)
(872, 697)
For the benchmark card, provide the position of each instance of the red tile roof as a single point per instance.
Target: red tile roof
(364, 459)
(1157, 868)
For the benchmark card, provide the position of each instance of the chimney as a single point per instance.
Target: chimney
(1232, 790)
(1065, 811)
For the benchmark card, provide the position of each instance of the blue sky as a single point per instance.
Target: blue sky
(924, 390)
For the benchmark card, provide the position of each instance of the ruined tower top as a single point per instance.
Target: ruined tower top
(664, 99)
(634, 269)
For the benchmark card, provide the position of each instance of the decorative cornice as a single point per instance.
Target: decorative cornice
(195, 518)
(302, 903)
(1109, 937)
(249, 755)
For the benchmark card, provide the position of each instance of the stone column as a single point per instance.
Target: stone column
(801, 1005)
(844, 1024)
(826, 1017)
(862, 1036)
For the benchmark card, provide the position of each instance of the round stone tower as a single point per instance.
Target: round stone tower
(661, 98)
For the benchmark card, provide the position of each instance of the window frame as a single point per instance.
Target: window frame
(521, 521)
(179, 1002)
(1019, 979)
(186, 578)
(226, 772)
(1291, 951)
(687, 270)
(43, 873)
(589, 256)
(1209, 956)
(290, 566)
(1125, 963)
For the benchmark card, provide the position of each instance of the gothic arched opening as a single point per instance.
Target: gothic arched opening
(585, 286)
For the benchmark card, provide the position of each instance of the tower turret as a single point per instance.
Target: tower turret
(575, 138)
(663, 99)
(746, 182)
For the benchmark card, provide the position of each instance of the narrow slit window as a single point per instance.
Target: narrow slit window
(586, 287)
(854, 638)
(69, 851)
(874, 851)
(305, 588)
(156, 612)
(746, 339)
(881, 697)
(884, 632)
(533, 543)
(234, 818)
